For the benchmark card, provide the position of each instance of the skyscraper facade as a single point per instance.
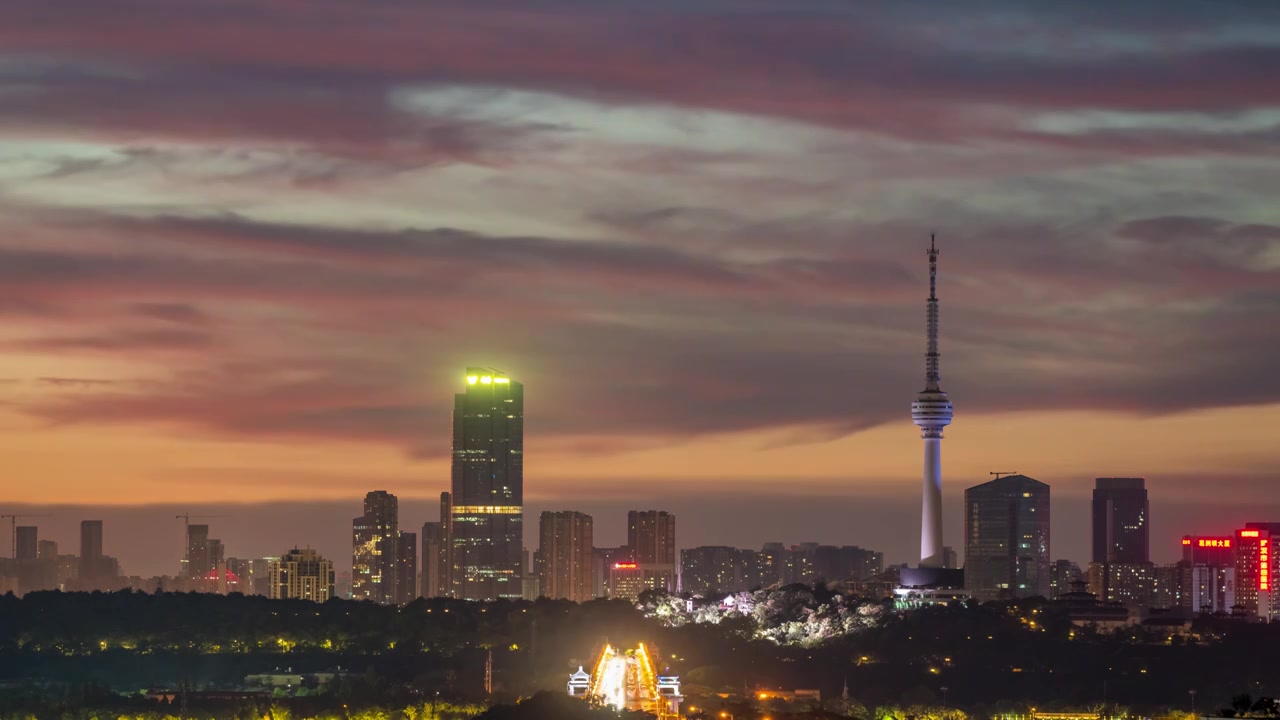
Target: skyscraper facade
(1007, 539)
(564, 556)
(300, 575)
(375, 539)
(1121, 521)
(487, 512)
(932, 412)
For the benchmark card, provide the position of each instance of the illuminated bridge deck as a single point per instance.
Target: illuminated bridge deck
(629, 680)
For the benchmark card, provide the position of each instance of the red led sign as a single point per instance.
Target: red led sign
(624, 566)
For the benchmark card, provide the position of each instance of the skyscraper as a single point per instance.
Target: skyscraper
(564, 555)
(1006, 530)
(434, 558)
(487, 511)
(375, 539)
(301, 575)
(406, 568)
(27, 542)
(932, 412)
(91, 563)
(1121, 521)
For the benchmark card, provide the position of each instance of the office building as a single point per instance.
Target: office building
(406, 568)
(1218, 551)
(651, 535)
(1253, 565)
(300, 575)
(435, 558)
(627, 580)
(1121, 521)
(26, 542)
(564, 556)
(375, 539)
(487, 510)
(1007, 539)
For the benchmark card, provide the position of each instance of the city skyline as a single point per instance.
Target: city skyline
(247, 288)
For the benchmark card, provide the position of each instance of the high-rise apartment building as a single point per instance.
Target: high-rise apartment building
(26, 542)
(375, 539)
(487, 511)
(198, 562)
(1062, 576)
(406, 568)
(47, 550)
(1007, 539)
(435, 557)
(301, 575)
(704, 569)
(564, 556)
(651, 535)
(1121, 521)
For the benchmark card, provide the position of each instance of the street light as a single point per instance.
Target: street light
(1192, 693)
(724, 714)
(944, 696)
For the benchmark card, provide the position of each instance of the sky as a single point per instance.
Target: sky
(248, 248)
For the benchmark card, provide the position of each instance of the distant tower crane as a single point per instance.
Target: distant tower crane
(186, 537)
(998, 474)
(13, 526)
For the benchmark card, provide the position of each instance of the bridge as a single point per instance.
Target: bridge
(629, 680)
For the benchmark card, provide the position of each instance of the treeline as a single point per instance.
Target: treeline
(990, 657)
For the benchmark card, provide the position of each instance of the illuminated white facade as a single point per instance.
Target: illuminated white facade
(931, 412)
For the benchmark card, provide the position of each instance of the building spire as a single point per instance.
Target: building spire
(931, 375)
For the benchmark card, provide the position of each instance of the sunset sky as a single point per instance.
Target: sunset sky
(247, 249)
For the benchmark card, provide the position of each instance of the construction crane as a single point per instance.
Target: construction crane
(13, 525)
(186, 536)
(998, 474)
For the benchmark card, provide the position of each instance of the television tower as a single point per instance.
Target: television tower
(932, 412)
